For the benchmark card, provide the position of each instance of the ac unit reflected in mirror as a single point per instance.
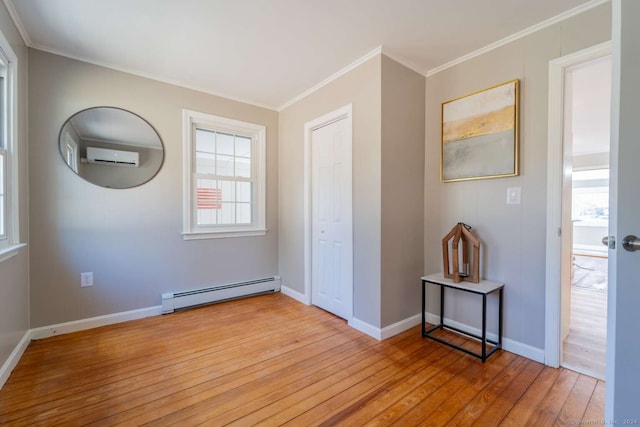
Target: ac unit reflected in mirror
(111, 147)
(106, 156)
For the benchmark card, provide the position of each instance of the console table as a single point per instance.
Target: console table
(483, 288)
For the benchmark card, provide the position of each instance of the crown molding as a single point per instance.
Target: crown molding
(152, 77)
(13, 13)
(377, 51)
(27, 40)
(334, 76)
(403, 61)
(520, 34)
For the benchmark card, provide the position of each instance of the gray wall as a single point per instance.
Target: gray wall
(403, 112)
(388, 186)
(14, 278)
(130, 239)
(513, 236)
(360, 87)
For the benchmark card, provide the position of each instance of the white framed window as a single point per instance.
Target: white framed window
(224, 177)
(9, 239)
(3, 197)
(70, 150)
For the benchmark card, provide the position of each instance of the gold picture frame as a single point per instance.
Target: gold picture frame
(479, 137)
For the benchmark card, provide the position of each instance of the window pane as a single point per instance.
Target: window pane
(206, 217)
(205, 163)
(227, 191)
(243, 213)
(208, 201)
(205, 141)
(224, 165)
(243, 193)
(3, 104)
(243, 146)
(591, 203)
(2, 192)
(225, 144)
(243, 167)
(227, 215)
(2, 233)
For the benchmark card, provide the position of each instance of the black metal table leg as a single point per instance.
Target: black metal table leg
(500, 319)
(424, 285)
(441, 305)
(484, 328)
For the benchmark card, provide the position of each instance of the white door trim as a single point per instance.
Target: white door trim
(557, 68)
(345, 112)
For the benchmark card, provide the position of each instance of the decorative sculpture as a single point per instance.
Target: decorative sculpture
(460, 237)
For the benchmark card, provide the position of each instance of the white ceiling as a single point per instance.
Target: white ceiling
(268, 52)
(117, 126)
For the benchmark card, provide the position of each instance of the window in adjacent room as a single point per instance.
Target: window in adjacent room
(8, 158)
(224, 177)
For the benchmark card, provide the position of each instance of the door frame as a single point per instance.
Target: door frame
(555, 157)
(345, 112)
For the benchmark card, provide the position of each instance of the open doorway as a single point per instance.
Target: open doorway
(586, 216)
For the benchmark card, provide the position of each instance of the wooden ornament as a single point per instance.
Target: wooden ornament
(461, 237)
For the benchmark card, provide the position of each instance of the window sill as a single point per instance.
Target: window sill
(200, 235)
(10, 251)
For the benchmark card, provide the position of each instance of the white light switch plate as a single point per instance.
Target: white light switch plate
(514, 195)
(86, 279)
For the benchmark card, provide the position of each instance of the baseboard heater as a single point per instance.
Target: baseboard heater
(173, 301)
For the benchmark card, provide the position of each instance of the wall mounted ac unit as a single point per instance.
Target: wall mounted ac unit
(105, 156)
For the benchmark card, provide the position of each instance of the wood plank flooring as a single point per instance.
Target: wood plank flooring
(270, 360)
(585, 347)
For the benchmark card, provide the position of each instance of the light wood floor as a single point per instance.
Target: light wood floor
(584, 349)
(585, 346)
(270, 360)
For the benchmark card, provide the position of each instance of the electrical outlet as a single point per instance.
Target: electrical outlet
(86, 279)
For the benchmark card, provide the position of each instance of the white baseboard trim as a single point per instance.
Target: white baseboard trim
(387, 331)
(68, 327)
(93, 322)
(401, 326)
(582, 371)
(295, 295)
(524, 350)
(14, 358)
(512, 346)
(366, 328)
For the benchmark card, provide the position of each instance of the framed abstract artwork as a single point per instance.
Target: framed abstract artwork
(480, 134)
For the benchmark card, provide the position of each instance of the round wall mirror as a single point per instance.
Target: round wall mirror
(111, 147)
